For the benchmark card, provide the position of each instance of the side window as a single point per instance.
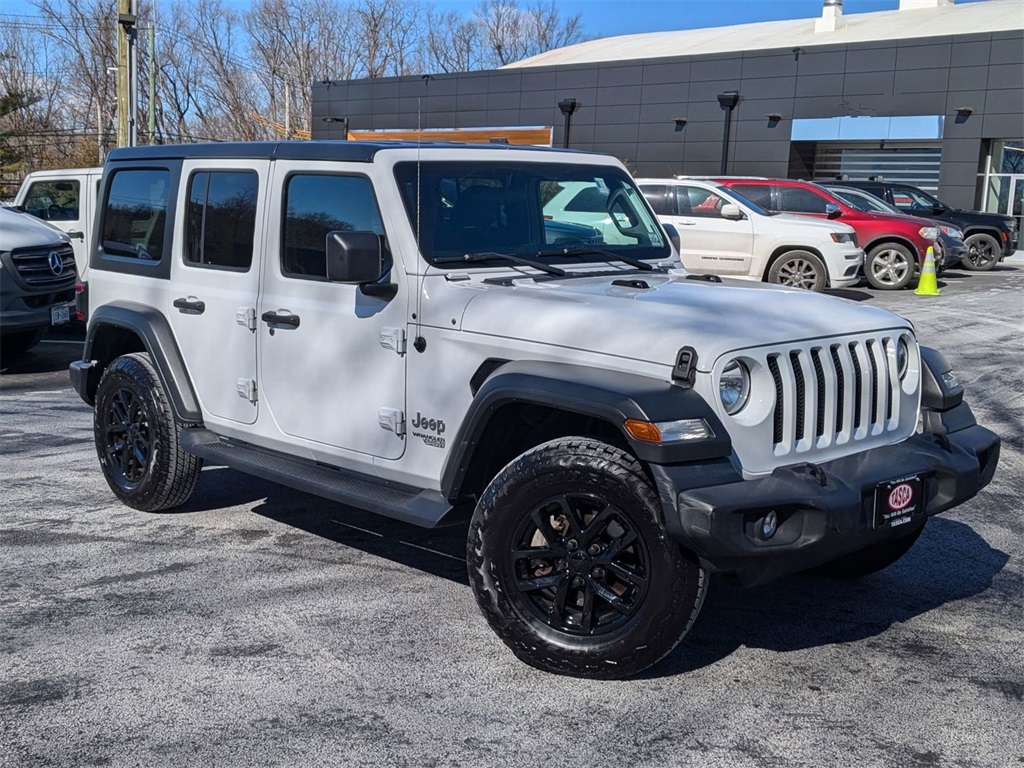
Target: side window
(700, 202)
(799, 200)
(53, 200)
(316, 204)
(910, 200)
(661, 198)
(136, 213)
(221, 221)
(756, 193)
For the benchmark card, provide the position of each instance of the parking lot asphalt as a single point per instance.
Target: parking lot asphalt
(262, 626)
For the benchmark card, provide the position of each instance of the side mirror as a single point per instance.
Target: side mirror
(354, 257)
(733, 212)
(938, 209)
(673, 237)
(833, 211)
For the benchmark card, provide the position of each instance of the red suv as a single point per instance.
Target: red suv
(894, 246)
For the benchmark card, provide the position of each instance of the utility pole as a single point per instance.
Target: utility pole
(152, 84)
(126, 74)
(287, 112)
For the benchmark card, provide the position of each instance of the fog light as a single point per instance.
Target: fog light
(770, 524)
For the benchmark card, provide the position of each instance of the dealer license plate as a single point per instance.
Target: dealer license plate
(59, 315)
(897, 502)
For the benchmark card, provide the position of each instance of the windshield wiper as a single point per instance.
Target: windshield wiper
(586, 250)
(489, 255)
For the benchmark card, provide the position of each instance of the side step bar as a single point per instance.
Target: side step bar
(428, 509)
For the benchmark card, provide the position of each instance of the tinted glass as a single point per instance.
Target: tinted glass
(317, 204)
(699, 202)
(524, 208)
(661, 197)
(221, 219)
(800, 200)
(761, 194)
(136, 213)
(55, 200)
(912, 200)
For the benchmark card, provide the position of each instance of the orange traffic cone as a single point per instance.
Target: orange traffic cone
(928, 284)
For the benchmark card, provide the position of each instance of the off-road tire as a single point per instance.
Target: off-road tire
(137, 438)
(870, 560)
(609, 498)
(983, 252)
(799, 269)
(889, 266)
(20, 342)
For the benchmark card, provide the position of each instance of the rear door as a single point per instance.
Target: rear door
(215, 272)
(709, 242)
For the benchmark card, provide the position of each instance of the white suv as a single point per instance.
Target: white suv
(723, 233)
(391, 326)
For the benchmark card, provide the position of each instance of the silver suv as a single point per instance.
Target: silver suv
(391, 326)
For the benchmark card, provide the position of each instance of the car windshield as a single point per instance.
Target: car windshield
(863, 201)
(529, 210)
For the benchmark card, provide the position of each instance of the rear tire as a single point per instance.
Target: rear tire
(799, 269)
(870, 560)
(137, 438)
(21, 341)
(983, 252)
(572, 567)
(890, 266)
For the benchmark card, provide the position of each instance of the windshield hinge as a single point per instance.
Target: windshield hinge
(394, 339)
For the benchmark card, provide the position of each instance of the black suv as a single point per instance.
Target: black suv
(990, 237)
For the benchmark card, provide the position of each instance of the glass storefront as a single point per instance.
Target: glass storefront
(1002, 183)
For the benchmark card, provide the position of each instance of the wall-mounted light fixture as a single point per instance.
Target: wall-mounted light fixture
(964, 112)
(567, 107)
(342, 120)
(773, 118)
(680, 123)
(727, 101)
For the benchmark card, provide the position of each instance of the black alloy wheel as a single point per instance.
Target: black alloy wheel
(983, 252)
(580, 565)
(129, 437)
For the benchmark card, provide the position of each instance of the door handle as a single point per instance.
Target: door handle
(282, 318)
(687, 223)
(75, 234)
(190, 306)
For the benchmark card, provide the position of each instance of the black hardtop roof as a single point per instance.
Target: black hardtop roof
(352, 151)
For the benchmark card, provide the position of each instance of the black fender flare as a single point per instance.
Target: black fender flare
(155, 333)
(612, 396)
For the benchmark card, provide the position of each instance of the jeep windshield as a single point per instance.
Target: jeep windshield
(561, 213)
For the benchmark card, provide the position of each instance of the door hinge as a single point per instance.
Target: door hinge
(392, 419)
(246, 317)
(393, 338)
(246, 388)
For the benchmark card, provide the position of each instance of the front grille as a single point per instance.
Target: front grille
(834, 394)
(33, 267)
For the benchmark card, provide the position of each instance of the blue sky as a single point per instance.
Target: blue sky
(606, 18)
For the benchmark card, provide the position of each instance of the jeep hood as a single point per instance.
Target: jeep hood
(652, 323)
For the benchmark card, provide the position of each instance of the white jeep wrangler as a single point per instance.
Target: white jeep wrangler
(401, 328)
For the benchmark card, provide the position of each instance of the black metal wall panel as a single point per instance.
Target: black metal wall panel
(631, 108)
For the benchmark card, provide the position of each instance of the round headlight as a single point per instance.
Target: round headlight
(734, 387)
(902, 357)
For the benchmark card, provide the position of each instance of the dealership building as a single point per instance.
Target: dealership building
(931, 94)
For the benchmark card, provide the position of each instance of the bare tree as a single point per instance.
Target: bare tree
(512, 33)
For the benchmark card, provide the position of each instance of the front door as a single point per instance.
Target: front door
(332, 362)
(212, 309)
(709, 242)
(67, 204)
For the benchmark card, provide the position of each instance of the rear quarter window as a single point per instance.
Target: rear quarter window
(757, 193)
(135, 216)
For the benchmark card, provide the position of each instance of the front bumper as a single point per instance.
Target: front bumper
(824, 511)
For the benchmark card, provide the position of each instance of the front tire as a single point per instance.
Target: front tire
(799, 269)
(572, 567)
(889, 267)
(870, 560)
(137, 438)
(983, 252)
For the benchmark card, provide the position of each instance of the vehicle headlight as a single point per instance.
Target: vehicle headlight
(929, 233)
(843, 237)
(952, 231)
(734, 387)
(902, 357)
